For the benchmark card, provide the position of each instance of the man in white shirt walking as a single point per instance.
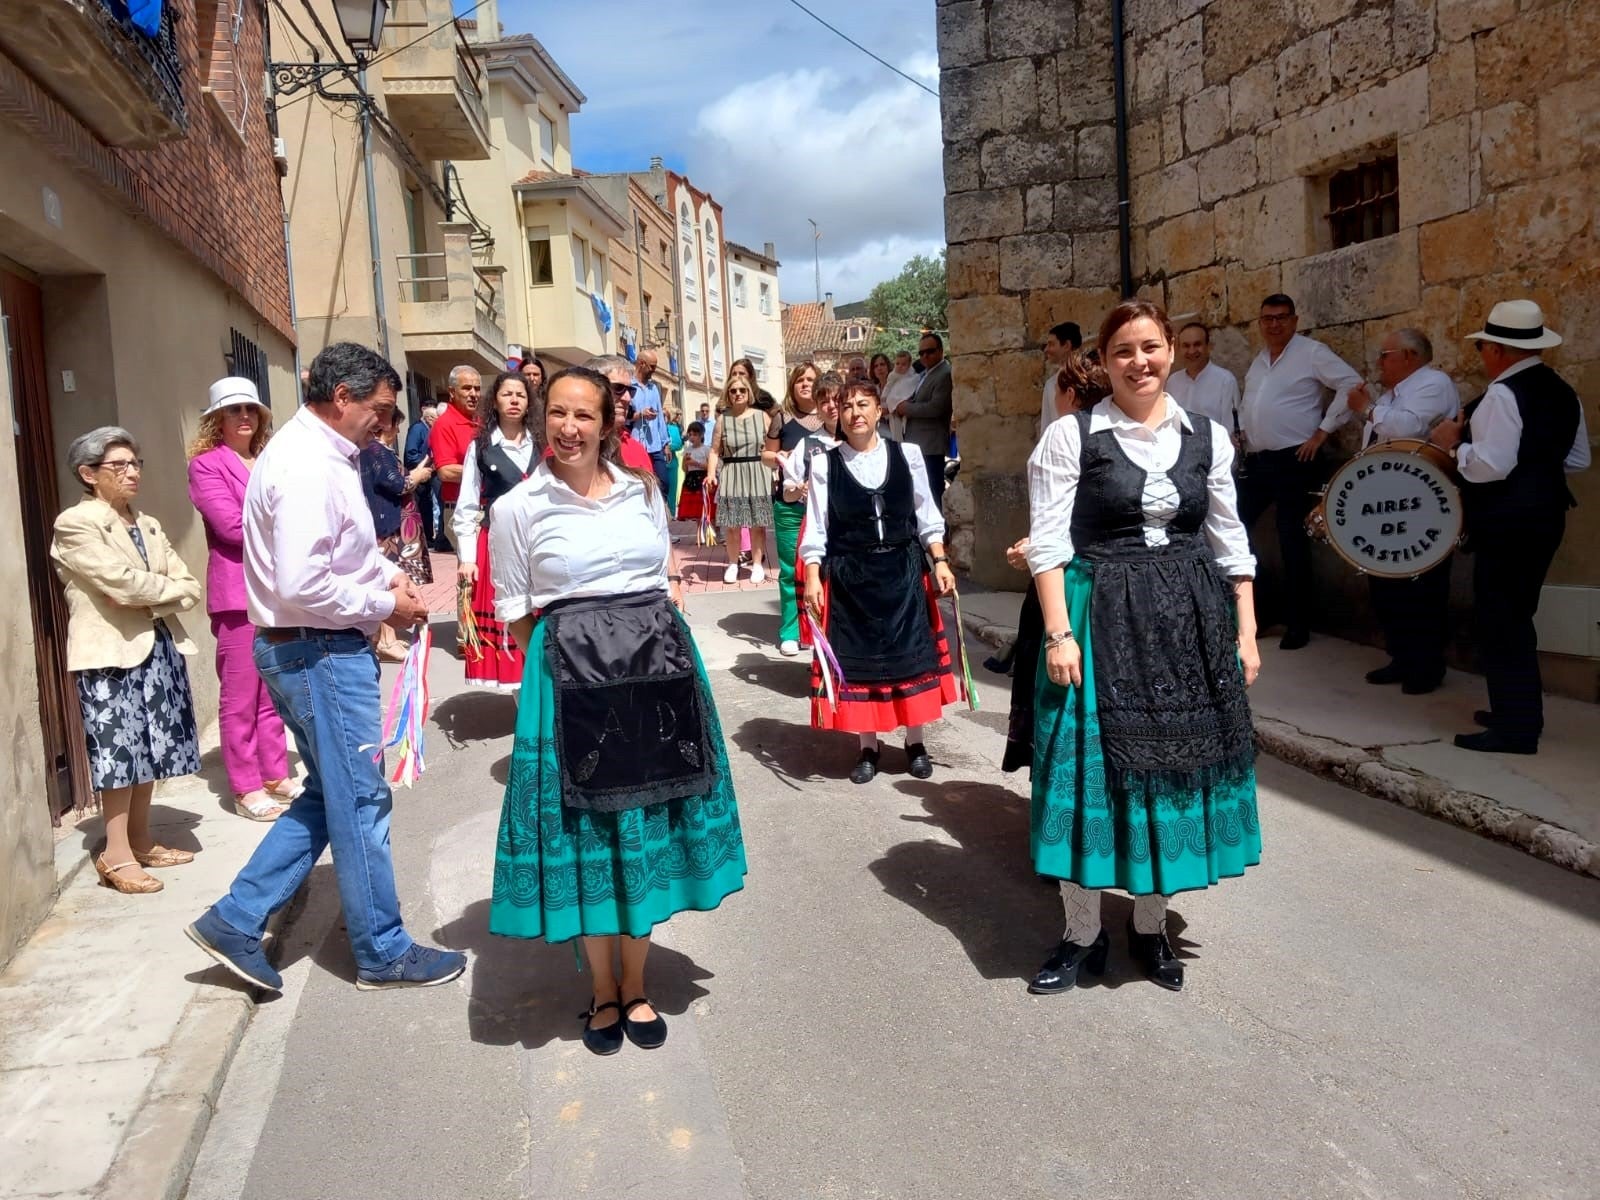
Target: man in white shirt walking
(318, 589)
(1515, 446)
(1202, 386)
(1284, 418)
(1414, 613)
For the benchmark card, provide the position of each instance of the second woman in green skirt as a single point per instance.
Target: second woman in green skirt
(619, 809)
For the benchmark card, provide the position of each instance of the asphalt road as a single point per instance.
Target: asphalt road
(1386, 1007)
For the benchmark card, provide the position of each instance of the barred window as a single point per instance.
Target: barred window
(249, 361)
(1364, 201)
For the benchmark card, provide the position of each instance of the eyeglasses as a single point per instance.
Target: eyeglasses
(622, 390)
(122, 466)
(239, 410)
(926, 351)
(738, 391)
(1276, 318)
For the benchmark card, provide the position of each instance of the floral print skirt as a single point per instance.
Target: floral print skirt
(140, 721)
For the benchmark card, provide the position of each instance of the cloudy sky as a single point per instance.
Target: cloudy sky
(774, 115)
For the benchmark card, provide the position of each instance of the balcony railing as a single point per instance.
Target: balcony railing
(449, 305)
(433, 83)
(124, 84)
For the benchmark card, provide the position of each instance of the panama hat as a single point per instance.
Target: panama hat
(1518, 324)
(233, 390)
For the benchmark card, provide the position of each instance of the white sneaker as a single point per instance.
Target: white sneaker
(789, 648)
(731, 575)
(758, 573)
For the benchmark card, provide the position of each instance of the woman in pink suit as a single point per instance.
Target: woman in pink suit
(233, 429)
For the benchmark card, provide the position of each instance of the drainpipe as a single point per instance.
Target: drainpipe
(378, 310)
(1119, 85)
(288, 245)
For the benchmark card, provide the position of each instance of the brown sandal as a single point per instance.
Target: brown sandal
(128, 887)
(163, 856)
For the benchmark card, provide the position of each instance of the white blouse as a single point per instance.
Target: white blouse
(869, 468)
(797, 463)
(548, 543)
(468, 504)
(1053, 486)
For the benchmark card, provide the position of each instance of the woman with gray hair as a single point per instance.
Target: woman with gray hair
(125, 586)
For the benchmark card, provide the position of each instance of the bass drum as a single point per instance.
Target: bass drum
(1393, 510)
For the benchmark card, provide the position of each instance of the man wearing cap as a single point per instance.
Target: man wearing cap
(1514, 446)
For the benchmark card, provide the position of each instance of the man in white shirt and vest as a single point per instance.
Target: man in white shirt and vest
(1284, 418)
(318, 590)
(1515, 446)
(1414, 613)
(1202, 386)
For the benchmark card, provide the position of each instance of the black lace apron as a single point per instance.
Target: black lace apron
(1169, 690)
(877, 598)
(630, 722)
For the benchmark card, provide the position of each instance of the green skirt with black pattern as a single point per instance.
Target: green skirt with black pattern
(561, 873)
(1099, 828)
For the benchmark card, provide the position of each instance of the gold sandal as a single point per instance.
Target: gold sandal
(128, 887)
(163, 856)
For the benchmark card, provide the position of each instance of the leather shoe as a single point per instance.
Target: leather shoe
(1486, 718)
(1492, 741)
(602, 1041)
(920, 765)
(1059, 972)
(1295, 639)
(1386, 674)
(1154, 953)
(866, 769)
(647, 1035)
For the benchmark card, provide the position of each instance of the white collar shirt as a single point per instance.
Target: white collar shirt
(1411, 407)
(869, 468)
(1213, 393)
(548, 543)
(1054, 467)
(1284, 400)
(1497, 433)
(469, 503)
(310, 553)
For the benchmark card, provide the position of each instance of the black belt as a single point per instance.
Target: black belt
(301, 633)
(744, 458)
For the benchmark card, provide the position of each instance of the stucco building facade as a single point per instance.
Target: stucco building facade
(1403, 162)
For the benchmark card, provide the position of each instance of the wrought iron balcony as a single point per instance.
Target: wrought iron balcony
(124, 84)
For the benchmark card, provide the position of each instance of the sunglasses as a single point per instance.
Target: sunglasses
(928, 351)
(621, 390)
(738, 391)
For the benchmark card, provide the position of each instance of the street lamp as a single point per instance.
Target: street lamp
(662, 331)
(361, 24)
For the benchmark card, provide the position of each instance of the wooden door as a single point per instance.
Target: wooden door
(66, 756)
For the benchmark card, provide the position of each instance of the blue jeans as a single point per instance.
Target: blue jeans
(325, 687)
(661, 460)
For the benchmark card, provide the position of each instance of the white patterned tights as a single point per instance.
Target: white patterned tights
(1083, 913)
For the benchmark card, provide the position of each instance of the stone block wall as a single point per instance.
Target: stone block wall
(1240, 110)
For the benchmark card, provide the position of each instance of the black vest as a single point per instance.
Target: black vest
(1537, 485)
(862, 518)
(498, 473)
(1108, 514)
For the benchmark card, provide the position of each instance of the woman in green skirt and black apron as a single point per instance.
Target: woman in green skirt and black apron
(619, 809)
(1143, 770)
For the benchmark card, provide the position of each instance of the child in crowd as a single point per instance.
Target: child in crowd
(696, 453)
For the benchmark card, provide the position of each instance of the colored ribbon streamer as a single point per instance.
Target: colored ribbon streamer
(467, 624)
(961, 655)
(407, 717)
(827, 662)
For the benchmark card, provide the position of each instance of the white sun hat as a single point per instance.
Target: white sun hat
(233, 390)
(1518, 324)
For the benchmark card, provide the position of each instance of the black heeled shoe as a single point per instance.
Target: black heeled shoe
(1059, 972)
(647, 1035)
(866, 769)
(602, 1041)
(918, 762)
(1154, 953)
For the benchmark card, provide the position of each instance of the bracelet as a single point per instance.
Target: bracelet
(1052, 640)
(939, 558)
(674, 578)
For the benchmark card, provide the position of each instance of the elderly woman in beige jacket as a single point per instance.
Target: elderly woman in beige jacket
(125, 586)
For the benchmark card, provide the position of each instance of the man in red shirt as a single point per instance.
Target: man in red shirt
(450, 441)
(620, 372)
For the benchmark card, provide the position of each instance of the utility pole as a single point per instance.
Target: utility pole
(816, 254)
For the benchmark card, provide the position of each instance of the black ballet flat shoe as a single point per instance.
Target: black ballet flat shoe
(647, 1035)
(866, 769)
(1154, 953)
(1295, 639)
(1486, 718)
(1423, 685)
(602, 1041)
(918, 762)
(1059, 972)
(1492, 741)
(998, 664)
(1387, 674)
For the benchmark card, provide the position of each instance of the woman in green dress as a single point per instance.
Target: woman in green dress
(619, 809)
(743, 469)
(1143, 767)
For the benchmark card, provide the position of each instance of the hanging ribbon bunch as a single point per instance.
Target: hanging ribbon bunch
(467, 635)
(706, 535)
(407, 717)
(960, 639)
(827, 661)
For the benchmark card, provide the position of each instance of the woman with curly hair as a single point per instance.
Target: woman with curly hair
(233, 430)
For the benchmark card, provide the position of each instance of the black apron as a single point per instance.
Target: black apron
(630, 722)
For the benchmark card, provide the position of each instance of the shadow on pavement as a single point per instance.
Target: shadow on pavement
(170, 826)
(795, 753)
(528, 993)
(476, 715)
(984, 890)
(786, 676)
(758, 628)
